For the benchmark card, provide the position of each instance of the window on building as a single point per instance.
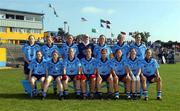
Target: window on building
(30, 18)
(2, 29)
(2, 16)
(19, 17)
(10, 16)
(37, 18)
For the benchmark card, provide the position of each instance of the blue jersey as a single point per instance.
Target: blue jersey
(38, 68)
(88, 66)
(104, 68)
(72, 67)
(55, 68)
(30, 51)
(149, 68)
(140, 50)
(134, 65)
(97, 51)
(47, 51)
(65, 47)
(119, 66)
(124, 48)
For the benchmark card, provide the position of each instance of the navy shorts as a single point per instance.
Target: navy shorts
(55, 76)
(150, 78)
(121, 77)
(38, 76)
(104, 77)
(26, 69)
(71, 77)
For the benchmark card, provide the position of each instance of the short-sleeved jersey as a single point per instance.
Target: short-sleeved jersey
(30, 51)
(124, 48)
(65, 47)
(38, 68)
(119, 66)
(133, 65)
(47, 51)
(140, 49)
(55, 68)
(98, 48)
(88, 66)
(149, 67)
(72, 66)
(82, 49)
(103, 67)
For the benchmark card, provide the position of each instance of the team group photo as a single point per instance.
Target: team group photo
(89, 55)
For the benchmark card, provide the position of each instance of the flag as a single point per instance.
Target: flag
(107, 26)
(102, 21)
(112, 35)
(50, 6)
(108, 22)
(102, 25)
(83, 19)
(94, 30)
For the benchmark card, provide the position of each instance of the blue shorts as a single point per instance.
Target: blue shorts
(26, 69)
(104, 77)
(71, 77)
(121, 77)
(55, 76)
(150, 78)
(38, 76)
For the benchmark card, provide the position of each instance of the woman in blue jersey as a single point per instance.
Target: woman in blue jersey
(134, 67)
(120, 73)
(104, 73)
(73, 72)
(29, 53)
(151, 74)
(55, 68)
(37, 71)
(89, 72)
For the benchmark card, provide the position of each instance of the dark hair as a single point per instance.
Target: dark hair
(102, 36)
(31, 36)
(117, 50)
(104, 49)
(39, 51)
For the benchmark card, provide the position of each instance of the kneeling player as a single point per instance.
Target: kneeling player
(37, 71)
(134, 67)
(73, 72)
(104, 73)
(88, 67)
(150, 73)
(120, 74)
(55, 68)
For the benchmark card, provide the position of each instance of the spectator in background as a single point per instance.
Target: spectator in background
(83, 46)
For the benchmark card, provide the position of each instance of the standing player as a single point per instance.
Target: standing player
(104, 73)
(48, 48)
(102, 45)
(69, 44)
(29, 53)
(37, 71)
(121, 45)
(89, 70)
(139, 46)
(120, 74)
(73, 72)
(151, 74)
(55, 68)
(134, 67)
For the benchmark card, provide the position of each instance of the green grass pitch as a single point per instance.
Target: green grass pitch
(13, 98)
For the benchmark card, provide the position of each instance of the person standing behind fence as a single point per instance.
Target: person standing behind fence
(83, 46)
(102, 45)
(48, 48)
(139, 46)
(29, 53)
(121, 45)
(69, 44)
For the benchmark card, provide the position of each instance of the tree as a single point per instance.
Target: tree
(145, 36)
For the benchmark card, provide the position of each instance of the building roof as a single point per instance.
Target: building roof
(18, 11)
